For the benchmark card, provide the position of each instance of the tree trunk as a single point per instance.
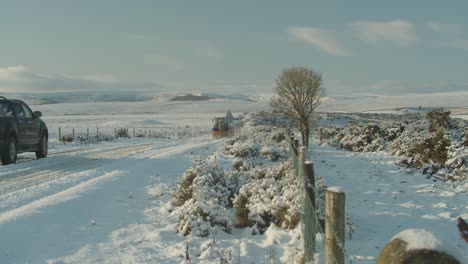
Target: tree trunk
(305, 137)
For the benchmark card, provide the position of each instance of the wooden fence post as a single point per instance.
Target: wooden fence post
(60, 134)
(334, 225)
(296, 156)
(87, 132)
(321, 135)
(97, 131)
(73, 133)
(309, 183)
(301, 161)
(133, 132)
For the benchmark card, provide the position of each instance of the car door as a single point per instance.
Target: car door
(33, 125)
(23, 124)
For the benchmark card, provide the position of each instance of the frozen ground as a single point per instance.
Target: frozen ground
(106, 203)
(383, 199)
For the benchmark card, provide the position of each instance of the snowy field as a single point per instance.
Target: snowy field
(108, 202)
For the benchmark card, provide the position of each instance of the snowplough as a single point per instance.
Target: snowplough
(221, 127)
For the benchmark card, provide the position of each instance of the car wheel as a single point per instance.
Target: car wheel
(10, 153)
(43, 148)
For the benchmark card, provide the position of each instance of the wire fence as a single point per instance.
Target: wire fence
(71, 133)
(332, 242)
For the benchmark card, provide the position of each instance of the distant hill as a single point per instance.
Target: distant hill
(191, 97)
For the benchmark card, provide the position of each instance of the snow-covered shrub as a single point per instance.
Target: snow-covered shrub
(242, 211)
(360, 138)
(244, 149)
(122, 132)
(204, 196)
(271, 152)
(274, 198)
(457, 156)
(465, 138)
(407, 136)
(67, 138)
(438, 119)
(184, 192)
(278, 137)
(85, 139)
(255, 184)
(433, 148)
(410, 135)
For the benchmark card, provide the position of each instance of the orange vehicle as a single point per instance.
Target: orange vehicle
(221, 127)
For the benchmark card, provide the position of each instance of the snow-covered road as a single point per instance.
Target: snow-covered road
(51, 208)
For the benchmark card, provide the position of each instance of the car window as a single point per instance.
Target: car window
(5, 110)
(27, 112)
(18, 110)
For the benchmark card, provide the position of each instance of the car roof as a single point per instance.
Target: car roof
(11, 100)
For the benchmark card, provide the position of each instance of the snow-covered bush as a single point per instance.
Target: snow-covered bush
(254, 185)
(360, 138)
(431, 143)
(273, 198)
(432, 149)
(85, 139)
(204, 196)
(122, 132)
(457, 156)
(184, 191)
(438, 119)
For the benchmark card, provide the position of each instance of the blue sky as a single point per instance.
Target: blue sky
(236, 46)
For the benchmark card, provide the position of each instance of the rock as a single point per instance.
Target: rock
(396, 252)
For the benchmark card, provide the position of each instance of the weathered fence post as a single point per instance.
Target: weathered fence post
(308, 215)
(321, 135)
(73, 133)
(97, 131)
(60, 134)
(87, 132)
(334, 225)
(133, 132)
(302, 154)
(296, 155)
(310, 207)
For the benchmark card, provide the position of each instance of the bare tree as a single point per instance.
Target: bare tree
(299, 91)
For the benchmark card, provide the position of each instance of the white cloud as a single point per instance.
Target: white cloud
(320, 39)
(456, 44)
(18, 79)
(399, 32)
(11, 73)
(439, 27)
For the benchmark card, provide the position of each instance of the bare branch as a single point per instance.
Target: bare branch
(299, 91)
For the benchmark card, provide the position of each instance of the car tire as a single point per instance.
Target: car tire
(11, 152)
(43, 148)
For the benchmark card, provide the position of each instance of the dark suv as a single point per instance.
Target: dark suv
(21, 130)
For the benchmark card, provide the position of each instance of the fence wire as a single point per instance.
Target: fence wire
(309, 216)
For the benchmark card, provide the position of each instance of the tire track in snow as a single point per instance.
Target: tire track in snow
(56, 198)
(22, 194)
(20, 188)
